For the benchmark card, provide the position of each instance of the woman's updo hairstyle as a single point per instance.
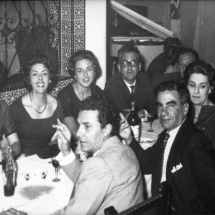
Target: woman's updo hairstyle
(82, 55)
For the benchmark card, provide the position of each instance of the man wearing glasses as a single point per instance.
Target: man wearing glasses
(130, 84)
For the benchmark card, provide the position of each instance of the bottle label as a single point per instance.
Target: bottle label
(135, 130)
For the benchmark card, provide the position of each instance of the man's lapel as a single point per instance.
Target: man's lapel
(174, 156)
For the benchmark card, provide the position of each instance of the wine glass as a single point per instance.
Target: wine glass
(150, 119)
(55, 164)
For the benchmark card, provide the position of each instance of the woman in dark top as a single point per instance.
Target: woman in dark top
(36, 112)
(84, 67)
(200, 79)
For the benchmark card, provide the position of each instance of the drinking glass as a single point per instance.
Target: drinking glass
(56, 165)
(150, 119)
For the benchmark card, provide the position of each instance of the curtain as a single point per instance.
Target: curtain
(198, 29)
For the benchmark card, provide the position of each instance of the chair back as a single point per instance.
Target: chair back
(156, 205)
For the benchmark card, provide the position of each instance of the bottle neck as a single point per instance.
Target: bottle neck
(133, 106)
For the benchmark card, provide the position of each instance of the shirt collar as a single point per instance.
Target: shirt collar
(173, 132)
(128, 85)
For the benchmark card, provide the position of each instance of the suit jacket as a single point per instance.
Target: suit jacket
(192, 187)
(157, 66)
(112, 177)
(118, 92)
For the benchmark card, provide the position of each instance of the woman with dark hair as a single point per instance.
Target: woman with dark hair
(36, 112)
(200, 79)
(84, 68)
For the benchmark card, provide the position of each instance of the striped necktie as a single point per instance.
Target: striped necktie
(162, 153)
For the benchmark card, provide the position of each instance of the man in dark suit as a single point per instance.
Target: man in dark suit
(118, 87)
(188, 162)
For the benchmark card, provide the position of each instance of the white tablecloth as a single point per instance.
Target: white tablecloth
(37, 196)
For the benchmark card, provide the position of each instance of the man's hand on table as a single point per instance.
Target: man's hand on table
(63, 137)
(125, 130)
(12, 211)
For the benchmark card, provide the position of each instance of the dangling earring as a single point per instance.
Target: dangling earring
(50, 81)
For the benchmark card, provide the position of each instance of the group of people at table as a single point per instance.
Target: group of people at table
(177, 86)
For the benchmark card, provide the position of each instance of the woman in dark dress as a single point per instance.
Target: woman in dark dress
(84, 68)
(200, 79)
(36, 112)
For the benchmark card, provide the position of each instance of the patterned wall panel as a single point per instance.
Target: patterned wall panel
(73, 29)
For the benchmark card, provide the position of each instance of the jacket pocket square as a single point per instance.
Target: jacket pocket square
(176, 168)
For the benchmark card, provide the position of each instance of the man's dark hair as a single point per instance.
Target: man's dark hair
(181, 88)
(172, 41)
(171, 54)
(107, 113)
(191, 51)
(128, 47)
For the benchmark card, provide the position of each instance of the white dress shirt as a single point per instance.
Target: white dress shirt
(170, 141)
(129, 85)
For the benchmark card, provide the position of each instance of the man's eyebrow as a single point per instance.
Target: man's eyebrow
(171, 102)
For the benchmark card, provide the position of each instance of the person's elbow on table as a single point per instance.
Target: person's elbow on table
(14, 144)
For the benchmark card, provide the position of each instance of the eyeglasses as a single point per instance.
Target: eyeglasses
(132, 63)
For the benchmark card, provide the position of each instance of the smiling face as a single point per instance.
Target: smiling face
(39, 78)
(129, 72)
(90, 132)
(199, 89)
(184, 60)
(171, 112)
(84, 72)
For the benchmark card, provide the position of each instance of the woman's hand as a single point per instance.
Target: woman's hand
(125, 130)
(63, 137)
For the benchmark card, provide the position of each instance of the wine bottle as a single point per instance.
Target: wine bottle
(10, 173)
(134, 121)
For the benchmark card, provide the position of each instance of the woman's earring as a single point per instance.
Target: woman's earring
(50, 81)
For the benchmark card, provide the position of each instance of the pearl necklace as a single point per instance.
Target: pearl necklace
(36, 108)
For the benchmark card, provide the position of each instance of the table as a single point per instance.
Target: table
(37, 196)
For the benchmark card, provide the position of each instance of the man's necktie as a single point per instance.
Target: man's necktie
(162, 152)
(132, 93)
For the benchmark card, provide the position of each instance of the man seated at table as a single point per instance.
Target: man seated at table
(111, 177)
(130, 83)
(186, 162)
(160, 64)
(176, 73)
(8, 135)
(186, 57)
